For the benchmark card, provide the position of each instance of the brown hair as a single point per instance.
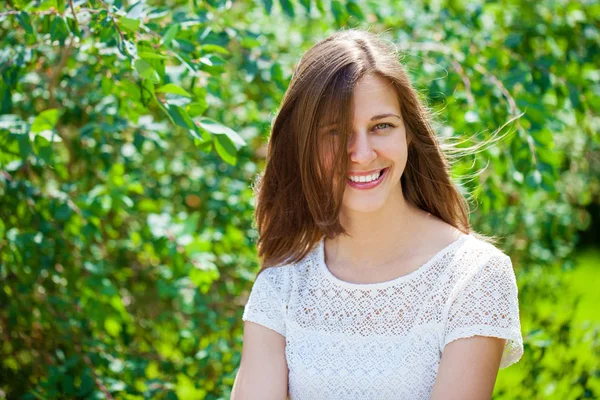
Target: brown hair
(298, 195)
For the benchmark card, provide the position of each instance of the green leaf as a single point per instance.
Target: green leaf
(354, 10)
(130, 89)
(25, 22)
(288, 8)
(112, 326)
(58, 29)
(212, 60)
(73, 26)
(249, 42)
(146, 91)
(151, 56)
(321, 7)
(216, 128)
(306, 5)
(46, 120)
(197, 108)
(338, 12)
(513, 40)
(130, 24)
(574, 96)
(146, 71)
(170, 35)
(225, 149)
(87, 382)
(172, 88)
(205, 274)
(213, 48)
(184, 45)
(542, 137)
(277, 74)
(180, 117)
(268, 4)
(534, 179)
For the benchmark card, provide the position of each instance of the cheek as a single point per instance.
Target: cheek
(394, 149)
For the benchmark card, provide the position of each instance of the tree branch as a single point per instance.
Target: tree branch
(73, 11)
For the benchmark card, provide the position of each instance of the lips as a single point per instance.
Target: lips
(367, 173)
(368, 185)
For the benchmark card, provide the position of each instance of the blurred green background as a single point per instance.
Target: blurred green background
(131, 132)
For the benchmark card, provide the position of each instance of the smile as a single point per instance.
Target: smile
(368, 182)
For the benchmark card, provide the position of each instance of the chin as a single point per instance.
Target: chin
(368, 206)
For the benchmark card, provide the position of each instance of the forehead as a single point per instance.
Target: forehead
(374, 94)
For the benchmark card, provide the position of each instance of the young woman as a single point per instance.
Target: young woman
(373, 285)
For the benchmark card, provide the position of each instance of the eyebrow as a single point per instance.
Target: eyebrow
(381, 116)
(373, 118)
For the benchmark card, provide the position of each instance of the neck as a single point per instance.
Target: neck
(376, 237)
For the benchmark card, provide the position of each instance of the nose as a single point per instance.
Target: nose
(361, 149)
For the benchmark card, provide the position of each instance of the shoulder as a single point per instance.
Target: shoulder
(441, 233)
(481, 252)
(479, 262)
(473, 252)
(275, 276)
(286, 276)
(476, 249)
(471, 259)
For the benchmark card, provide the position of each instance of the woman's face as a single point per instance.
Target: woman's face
(377, 148)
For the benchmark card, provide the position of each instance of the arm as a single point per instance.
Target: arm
(468, 369)
(263, 372)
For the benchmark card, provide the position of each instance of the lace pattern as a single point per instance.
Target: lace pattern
(384, 340)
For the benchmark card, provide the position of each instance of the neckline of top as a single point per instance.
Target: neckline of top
(411, 275)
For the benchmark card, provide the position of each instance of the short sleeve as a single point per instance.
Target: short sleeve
(486, 303)
(264, 305)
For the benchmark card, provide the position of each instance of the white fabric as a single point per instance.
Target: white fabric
(384, 340)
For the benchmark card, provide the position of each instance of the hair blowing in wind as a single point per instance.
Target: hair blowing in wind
(299, 194)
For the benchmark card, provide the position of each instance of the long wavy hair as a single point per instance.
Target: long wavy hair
(299, 195)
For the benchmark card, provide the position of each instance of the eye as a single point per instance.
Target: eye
(383, 125)
(331, 131)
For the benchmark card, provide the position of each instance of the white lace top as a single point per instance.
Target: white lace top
(385, 340)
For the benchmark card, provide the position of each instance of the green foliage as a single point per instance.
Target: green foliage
(131, 132)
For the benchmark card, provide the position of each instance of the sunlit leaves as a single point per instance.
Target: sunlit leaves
(268, 4)
(338, 11)
(130, 24)
(145, 70)
(306, 4)
(173, 88)
(170, 34)
(180, 117)
(288, 8)
(354, 9)
(46, 120)
(58, 29)
(25, 22)
(216, 128)
(226, 140)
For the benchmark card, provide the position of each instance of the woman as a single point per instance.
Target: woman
(373, 285)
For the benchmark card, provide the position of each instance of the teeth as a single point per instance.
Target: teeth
(368, 178)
